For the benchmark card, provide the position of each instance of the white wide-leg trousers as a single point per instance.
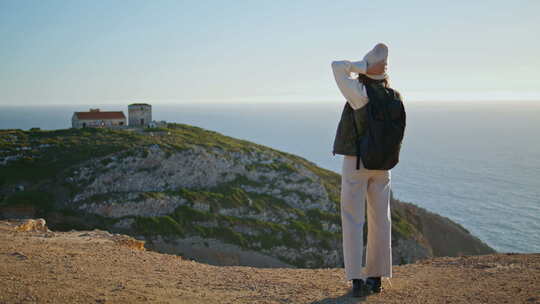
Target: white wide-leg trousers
(356, 186)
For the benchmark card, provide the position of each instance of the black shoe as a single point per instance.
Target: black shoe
(374, 284)
(360, 288)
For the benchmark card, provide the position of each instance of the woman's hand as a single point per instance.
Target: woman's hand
(377, 68)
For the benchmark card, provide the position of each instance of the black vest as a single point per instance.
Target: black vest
(345, 140)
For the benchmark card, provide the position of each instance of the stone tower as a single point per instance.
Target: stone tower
(140, 114)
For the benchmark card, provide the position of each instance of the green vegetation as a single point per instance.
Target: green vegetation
(231, 195)
(43, 201)
(316, 216)
(162, 225)
(43, 155)
(72, 219)
(276, 166)
(185, 221)
(157, 129)
(49, 152)
(401, 226)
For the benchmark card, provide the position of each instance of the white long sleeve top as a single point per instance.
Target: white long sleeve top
(352, 89)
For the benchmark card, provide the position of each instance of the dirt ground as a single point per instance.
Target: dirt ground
(98, 267)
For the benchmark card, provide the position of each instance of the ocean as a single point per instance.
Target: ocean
(476, 163)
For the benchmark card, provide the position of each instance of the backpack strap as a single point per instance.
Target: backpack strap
(388, 93)
(356, 142)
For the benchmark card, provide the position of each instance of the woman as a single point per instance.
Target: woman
(357, 185)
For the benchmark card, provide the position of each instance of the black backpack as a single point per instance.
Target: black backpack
(380, 145)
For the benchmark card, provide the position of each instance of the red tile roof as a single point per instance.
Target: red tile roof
(100, 115)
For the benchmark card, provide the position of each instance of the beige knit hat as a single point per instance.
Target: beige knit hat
(378, 53)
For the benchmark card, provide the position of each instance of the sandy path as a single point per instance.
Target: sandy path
(89, 267)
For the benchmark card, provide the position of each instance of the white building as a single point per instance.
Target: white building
(97, 119)
(140, 114)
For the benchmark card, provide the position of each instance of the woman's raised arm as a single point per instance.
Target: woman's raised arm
(353, 90)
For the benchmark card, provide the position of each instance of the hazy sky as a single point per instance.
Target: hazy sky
(280, 51)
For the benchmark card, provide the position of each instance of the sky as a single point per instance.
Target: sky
(109, 52)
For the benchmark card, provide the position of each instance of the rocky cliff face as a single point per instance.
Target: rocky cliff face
(216, 199)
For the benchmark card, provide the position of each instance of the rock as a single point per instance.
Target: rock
(124, 224)
(130, 242)
(408, 251)
(20, 255)
(33, 225)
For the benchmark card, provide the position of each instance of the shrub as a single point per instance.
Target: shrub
(162, 225)
(41, 200)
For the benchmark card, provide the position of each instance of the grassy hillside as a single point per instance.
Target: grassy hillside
(42, 170)
(43, 154)
(36, 158)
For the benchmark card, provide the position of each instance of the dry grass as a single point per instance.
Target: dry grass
(99, 267)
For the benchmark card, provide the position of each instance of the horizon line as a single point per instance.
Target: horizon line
(267, 102)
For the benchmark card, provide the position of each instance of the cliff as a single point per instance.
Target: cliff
(100, 267)
(201, 195)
